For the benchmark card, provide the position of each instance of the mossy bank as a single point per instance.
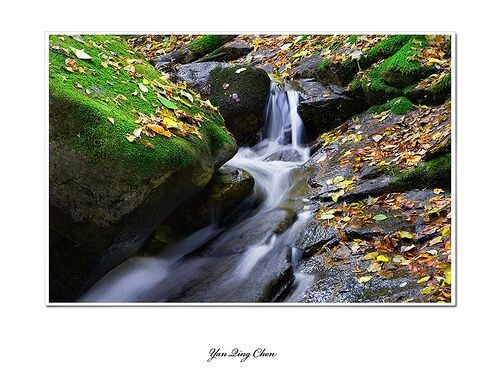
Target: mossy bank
(110, 185)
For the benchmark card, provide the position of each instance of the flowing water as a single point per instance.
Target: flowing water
(248, 260)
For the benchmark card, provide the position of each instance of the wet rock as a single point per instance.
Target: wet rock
(196, 75)
(381, 228)
(225, 191)
(231, 51)
(192, 51)
(241, 97)
(372, 187)
(307, 68)
(285, 155)
(324, 108)
(315, 235)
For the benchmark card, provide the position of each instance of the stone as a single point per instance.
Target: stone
(325, 107)
(243, 116)
(196, 75)
(217, 201)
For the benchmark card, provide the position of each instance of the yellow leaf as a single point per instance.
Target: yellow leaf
(111, 120)
(436, 240)
(130, 138)
(405, 234)
(160, 130)
(437, 191)
(365, 279)
(370, 256)
(424, 279)
(374, 267)
(383, 258)
(446, 232)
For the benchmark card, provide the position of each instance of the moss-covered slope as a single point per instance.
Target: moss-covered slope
(126, 148)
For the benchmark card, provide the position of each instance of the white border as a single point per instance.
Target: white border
(453, 302)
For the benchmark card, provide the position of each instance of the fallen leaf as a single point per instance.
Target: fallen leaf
(143, 88)
(446, 231)
(436, 240)
(168, 104)
(377, 138)
(374, 267)
(81, 54)
(437, 191)
(239, 70)
(405, 234)
(365, 279)
(424, 279)
(380, 217)
(370, 256)
(382, 258)
(427, 290)
(160, 130)
(111, 120)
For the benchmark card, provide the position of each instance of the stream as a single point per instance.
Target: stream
(252, 258)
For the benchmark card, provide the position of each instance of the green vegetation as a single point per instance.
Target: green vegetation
(434, 173)
(387, 79)
(208, 43)
(400, 105)
(94, 105)
(385, 48)
(352, 39)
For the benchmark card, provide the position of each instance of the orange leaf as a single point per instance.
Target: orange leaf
(160, 130)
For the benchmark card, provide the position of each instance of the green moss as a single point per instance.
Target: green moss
(324, 64)
(434, 173)
(435, 94)
(385, 48)
(400, 105)
(442, 87)
(81, 104)
(352, 39)
(387, 79)
(208, 43)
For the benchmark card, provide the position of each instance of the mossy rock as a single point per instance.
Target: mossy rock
(241, 94)
(432, 174)
(193, 51)
(341, 73)
(436, 93)
(107, 194)
(400, 105)
(388, 79)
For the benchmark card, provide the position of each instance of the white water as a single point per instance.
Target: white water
(273, 163)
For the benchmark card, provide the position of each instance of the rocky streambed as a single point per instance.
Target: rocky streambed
(336, 193)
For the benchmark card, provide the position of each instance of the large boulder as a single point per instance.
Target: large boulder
(325, 107)
(108, 189)
(241, 94)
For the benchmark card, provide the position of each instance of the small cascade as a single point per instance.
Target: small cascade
(230, 264)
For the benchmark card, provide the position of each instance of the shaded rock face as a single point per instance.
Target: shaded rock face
(100, 214)
(325, 107)
(217, 201)
(241, 97)
(220, 199)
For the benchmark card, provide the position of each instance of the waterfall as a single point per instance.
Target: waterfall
(230, 264)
